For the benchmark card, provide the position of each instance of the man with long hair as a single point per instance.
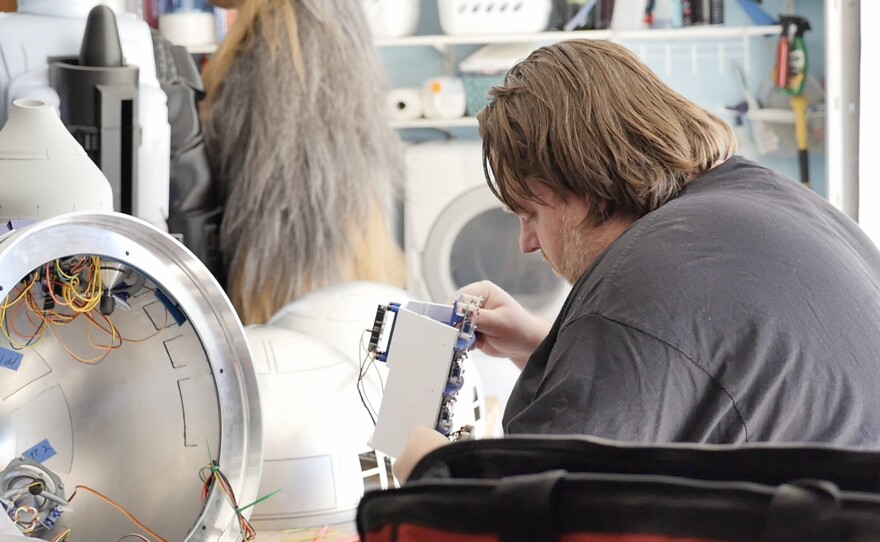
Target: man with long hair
(714, 300)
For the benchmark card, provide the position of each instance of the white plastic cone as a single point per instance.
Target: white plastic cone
(44, 171)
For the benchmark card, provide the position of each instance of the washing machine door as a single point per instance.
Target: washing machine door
(473, 239)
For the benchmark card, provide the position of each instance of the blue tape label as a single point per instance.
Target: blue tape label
(171, 307)
(40, 452)
(10, 359)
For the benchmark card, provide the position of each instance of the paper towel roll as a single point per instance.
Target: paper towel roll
(405, 104)
(188, 28)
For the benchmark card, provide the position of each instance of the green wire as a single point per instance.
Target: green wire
(216, 468)
(258, 501)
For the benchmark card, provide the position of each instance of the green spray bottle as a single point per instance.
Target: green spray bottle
(794, 76)
(791, 77)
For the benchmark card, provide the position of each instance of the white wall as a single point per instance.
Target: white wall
(869, 122)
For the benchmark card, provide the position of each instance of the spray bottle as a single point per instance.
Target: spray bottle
(795, 59)
(791, 77)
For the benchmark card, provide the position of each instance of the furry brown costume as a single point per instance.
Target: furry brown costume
(302, 151)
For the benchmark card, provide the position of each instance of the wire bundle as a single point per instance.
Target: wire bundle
(56, 294)
(211, 474)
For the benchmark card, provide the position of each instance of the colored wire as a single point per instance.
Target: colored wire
(114, 334)
(375, 366)
(62, 535)
(6, 304)
(91, 361)
(118, 507)
(31, 525)
(362, 391)
(4, 316)
(73, 285)
(210, 475)
(78, 302)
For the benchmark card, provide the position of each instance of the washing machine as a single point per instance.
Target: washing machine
(456, 232)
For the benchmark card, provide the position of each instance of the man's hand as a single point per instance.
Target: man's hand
(504, 328)
(421, 441)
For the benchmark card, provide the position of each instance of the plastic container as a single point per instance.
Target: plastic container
(187, 22)
(772, 126)
(469, 17)
(773, 131)
(486, 68)
(392, 18)
(443, 98)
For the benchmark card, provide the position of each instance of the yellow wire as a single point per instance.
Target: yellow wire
(60, 271)
(93, 289)
(79, 301)
(12, 341)
(6, 304)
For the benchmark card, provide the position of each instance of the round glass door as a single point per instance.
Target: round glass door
(473, 239)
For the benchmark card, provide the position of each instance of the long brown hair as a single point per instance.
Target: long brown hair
(589, 119)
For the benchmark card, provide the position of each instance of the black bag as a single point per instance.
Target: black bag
(581, 489)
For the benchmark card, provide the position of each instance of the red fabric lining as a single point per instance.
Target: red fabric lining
(418, 533)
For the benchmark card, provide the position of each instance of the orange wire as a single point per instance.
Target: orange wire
(11, 317)
(50, 288)
(247, 530)
(62, 535)
(121, 509)
(91, 361)
(31, 304)
(113, 332)
(150, 336)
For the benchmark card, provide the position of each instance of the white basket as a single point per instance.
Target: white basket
(468, 17)
(392, 18)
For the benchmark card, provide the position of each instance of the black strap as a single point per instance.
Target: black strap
(802, 511)
(522, 507)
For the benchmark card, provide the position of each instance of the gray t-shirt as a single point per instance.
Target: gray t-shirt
(746, 309)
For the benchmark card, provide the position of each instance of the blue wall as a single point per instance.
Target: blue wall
(714, 85)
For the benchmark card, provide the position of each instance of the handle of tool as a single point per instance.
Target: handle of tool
(801, 135)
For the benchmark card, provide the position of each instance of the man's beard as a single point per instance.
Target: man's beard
(576, 251)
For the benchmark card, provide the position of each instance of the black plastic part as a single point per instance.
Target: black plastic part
(194, 212)
(101, 47)
(107, 304)
(804, 165)
(376, 332)
(99, 104)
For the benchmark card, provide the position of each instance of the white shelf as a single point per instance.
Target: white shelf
(461, 122)
(683, 34)
(693, 33)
